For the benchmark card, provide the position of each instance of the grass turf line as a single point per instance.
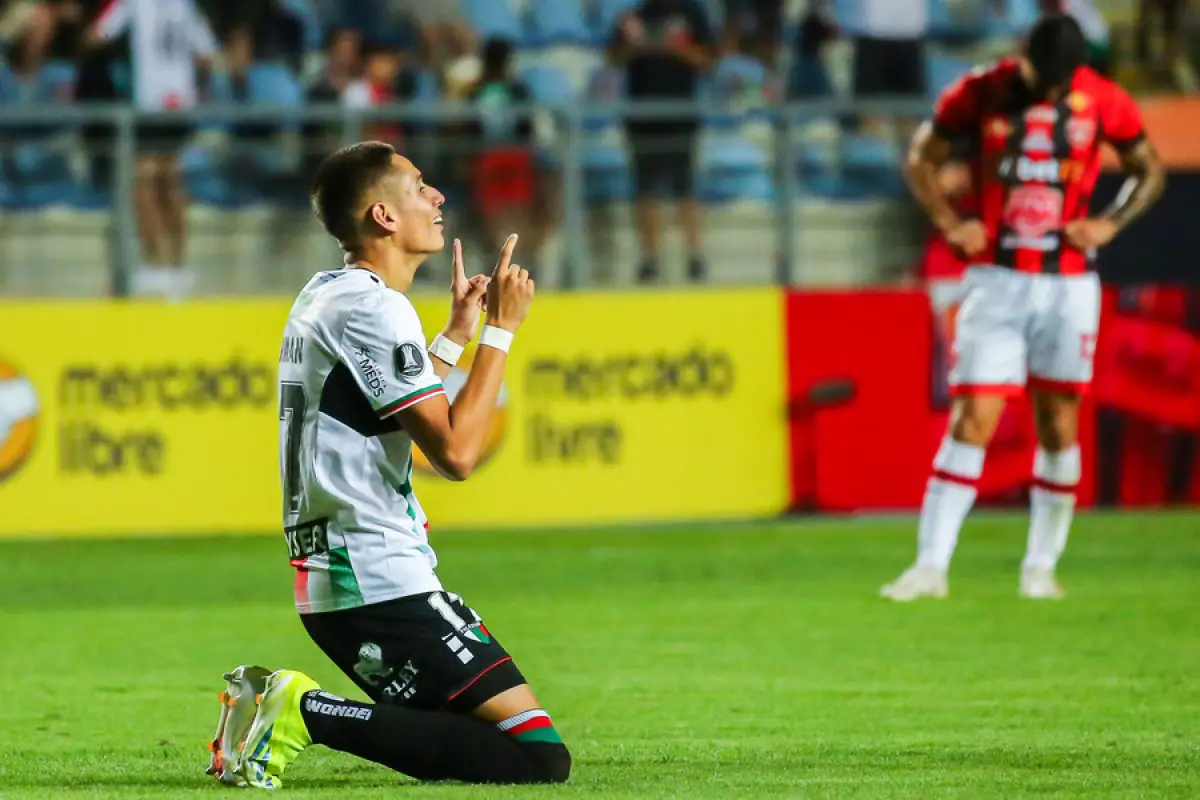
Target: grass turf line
(752, 661)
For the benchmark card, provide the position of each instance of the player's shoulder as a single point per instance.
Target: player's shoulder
(1101, 87)
(990, 75)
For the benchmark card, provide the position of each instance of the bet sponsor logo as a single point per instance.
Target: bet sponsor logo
(19, 415)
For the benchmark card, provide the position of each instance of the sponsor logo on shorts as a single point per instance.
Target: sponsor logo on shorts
(316, 706)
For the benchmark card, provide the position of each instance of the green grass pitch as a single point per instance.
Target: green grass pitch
(695, 661)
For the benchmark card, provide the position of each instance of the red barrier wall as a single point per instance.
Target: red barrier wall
(867, 413)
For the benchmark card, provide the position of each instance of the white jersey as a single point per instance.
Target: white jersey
(353, 356)
(166, 36)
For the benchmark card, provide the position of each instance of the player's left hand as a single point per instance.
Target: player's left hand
(467, 296)
(1087, 234)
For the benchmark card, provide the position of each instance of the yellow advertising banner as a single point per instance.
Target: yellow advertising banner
(142, 418)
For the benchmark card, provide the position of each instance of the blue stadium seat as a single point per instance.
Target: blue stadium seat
(554, 22)
(739, 85)
(733, 168)
(605, 86)
(956, 22)
(1013, 20)
(494, 19)
(273, 84)
(941, 70)
(607, 173)
(607, 12)
(871, 166)
(56, 82)
(548, 85)
(8, 87)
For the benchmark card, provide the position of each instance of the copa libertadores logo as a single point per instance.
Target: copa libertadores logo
(18, 419)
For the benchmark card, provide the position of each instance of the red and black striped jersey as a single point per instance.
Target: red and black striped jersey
(1036, 161)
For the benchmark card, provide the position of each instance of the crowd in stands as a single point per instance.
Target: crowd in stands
(740, 55)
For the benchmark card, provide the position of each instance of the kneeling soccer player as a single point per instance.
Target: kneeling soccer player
(358, 387)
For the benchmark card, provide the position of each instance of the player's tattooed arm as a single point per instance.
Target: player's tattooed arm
(1144, 186)
(922, 168)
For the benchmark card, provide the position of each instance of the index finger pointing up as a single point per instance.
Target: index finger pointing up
(506, 254)
(460, 270)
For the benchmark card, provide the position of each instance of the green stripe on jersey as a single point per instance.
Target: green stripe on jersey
(408, 398)
(342, 583)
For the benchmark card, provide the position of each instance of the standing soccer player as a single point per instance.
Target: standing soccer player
(1031, 306)
(358, 387)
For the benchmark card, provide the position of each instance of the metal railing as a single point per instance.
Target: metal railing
(565, 144)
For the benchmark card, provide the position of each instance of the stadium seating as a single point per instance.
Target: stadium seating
(494, 19)
(554, 22)
(607, 13)
(548, 85)
(943, 69)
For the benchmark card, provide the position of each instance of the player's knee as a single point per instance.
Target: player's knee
(551, 760)
(973, 422)
(1057, 427)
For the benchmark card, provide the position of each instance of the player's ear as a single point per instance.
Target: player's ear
(384, 216)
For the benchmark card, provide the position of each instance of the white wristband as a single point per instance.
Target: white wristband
(445, 349)
(496, 337)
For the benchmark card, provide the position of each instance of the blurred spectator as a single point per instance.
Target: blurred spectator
(385, 81)
(32, 31)
(809, 77)
(167, 38)
(754, 27)
(1171, 63)
(665, 45)
(342, 68)
(499, 148)
(343, 65)
(889, 48)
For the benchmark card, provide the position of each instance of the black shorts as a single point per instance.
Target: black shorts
(889, 67)
(427, 652)
(662, 164)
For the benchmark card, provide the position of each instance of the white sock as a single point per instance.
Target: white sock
(1051, 505)
(949, 496)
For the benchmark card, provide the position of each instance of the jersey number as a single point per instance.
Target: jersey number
(292, 405)
(441, 604)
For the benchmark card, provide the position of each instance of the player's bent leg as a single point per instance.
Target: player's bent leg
(949, 495)
(518, 714)
(1057, 467)
(497, 745)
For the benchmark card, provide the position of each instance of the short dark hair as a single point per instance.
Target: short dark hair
(1056, 47)
(341, 181)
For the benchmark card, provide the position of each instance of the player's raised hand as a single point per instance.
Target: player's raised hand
(510, 292)
(466, 300)
(970, 237)
(1088, 234)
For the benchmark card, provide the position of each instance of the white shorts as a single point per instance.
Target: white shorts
(944, 293)
(1015, 328)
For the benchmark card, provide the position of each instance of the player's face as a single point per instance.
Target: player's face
(418, 209)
